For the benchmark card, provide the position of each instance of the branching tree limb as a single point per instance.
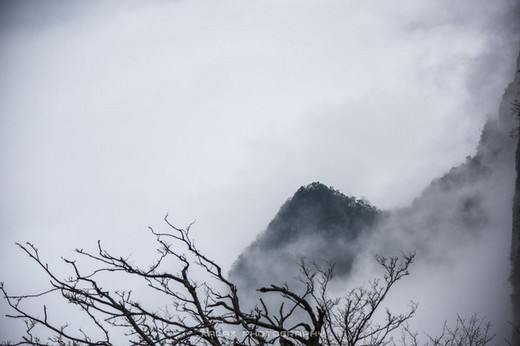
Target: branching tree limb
(209, 312)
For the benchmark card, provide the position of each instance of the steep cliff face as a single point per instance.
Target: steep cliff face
(324, 225)
(514, 96)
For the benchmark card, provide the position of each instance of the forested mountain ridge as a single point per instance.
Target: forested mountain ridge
(318, 208)
(514, 92)
(323, 225)
(318, 223)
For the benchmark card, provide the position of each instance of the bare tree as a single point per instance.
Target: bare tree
(352, 323)
(209, 311)
(472, 331)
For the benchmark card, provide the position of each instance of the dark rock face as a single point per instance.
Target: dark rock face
(514, 94)
(318, 208)
(515, 254)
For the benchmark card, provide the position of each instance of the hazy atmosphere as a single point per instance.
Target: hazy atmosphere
(113, 114)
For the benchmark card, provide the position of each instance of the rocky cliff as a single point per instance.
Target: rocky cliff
(513, 93)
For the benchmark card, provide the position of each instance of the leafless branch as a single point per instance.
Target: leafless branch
(210, 312)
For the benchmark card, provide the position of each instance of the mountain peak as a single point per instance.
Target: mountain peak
(318, 209)
(318, 222)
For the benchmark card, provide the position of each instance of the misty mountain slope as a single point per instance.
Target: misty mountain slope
(324, 225)
(475, 196)
(317, 222)
(470, 201)
(318, 208)
(460, 227)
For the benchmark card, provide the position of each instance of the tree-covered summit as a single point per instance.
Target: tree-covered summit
(318, 222)
(319, 209)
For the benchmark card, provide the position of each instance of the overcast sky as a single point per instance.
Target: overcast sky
(114, 113)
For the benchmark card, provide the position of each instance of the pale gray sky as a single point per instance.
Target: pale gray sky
(114, 113)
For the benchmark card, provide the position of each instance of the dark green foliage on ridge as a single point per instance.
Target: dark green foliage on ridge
(318, 209)
(319, 223)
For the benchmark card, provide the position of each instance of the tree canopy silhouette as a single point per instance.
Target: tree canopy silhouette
(203, 307)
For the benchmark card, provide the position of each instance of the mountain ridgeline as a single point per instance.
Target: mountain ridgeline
(466, 210)
(323, 225)
(318, 223)
(514, 91)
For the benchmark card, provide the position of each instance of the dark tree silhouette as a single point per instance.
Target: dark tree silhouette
(207, 310)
